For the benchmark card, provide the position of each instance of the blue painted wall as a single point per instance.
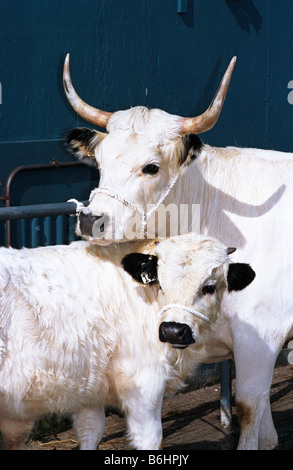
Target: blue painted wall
(137, 52)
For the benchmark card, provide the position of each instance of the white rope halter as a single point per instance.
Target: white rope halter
(144, 215)
(187, 309)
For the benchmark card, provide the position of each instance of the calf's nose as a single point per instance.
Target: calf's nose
(177, 334)
(86, 223)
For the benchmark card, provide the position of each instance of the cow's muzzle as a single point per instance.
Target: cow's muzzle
(91, 225)
(179, 335)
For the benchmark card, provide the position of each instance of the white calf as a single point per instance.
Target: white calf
(77, 333)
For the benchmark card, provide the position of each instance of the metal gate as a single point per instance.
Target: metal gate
(38, 225)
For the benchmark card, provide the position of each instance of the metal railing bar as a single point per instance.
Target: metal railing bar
(54, 164)
(38, 210)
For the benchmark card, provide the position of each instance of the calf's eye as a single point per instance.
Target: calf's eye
(208, 289)
(151, 169)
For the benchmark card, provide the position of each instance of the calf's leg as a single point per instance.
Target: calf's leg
(13, 432)
(144, 425)
(89, 425)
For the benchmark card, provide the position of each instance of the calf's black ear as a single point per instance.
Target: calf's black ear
(240, 275)
(143, 268)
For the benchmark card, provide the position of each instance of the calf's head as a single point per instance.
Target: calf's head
(140, 159)
(193, 273)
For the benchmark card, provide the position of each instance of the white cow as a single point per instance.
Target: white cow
(245, 197)
(77, 333)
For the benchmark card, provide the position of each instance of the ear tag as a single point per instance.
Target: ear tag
(148, 277)
(90, 153)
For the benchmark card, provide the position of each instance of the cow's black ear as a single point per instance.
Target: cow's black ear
(188, 148)
(240, 275)
(81, 142)
(143, 268)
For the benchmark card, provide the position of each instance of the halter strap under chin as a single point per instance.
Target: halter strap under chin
(144, 215)
(187, 309)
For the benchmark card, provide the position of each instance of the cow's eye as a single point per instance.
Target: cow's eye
(208, 289)
(151, 169)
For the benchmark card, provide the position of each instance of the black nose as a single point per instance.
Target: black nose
(178, 334)
(86, 222)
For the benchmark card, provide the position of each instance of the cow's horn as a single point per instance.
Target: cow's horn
(87, 112)
(208, 119)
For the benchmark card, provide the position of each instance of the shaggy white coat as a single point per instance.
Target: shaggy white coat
(77, 333)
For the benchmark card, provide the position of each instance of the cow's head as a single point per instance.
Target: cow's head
(193, 273)
(139, 158)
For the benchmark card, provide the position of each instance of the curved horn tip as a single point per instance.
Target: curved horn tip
(232, 62)
(67, 57)
(88, 113)
(66, 62)
(208, 119)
